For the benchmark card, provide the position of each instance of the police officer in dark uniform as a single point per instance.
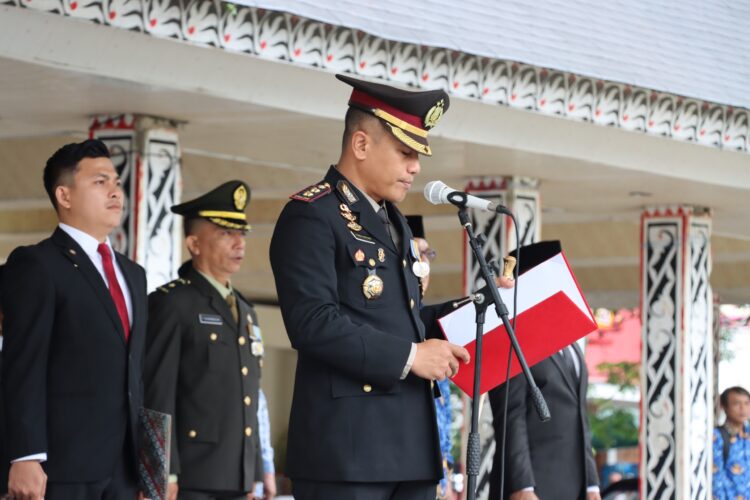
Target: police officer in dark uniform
(362, 423)
(204, 355)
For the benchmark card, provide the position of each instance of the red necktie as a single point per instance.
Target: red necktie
(114, 288)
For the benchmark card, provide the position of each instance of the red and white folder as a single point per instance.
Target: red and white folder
(552, 313)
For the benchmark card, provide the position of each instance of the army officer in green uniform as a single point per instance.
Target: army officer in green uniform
(204, 355)
(362, 424)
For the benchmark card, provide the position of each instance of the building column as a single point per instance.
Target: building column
(146, 154)
(678, 341)
(521, 196)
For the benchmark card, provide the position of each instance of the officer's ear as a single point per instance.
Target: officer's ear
(62, 195)
(360, 144)
(192, 244)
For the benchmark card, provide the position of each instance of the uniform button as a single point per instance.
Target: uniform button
(403, 262)
(367, 388)
(244, 370)
(242, 340)
(411, 303)
(213, 337)
(192, 434)
(371, 262)
(248, 431)
(247, 400)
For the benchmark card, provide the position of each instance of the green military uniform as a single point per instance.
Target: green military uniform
(203, 366)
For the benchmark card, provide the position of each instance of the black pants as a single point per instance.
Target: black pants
(408, 490)
(121, 485)
(209, 495)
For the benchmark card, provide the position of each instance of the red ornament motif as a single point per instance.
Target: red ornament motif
(191, 30)
(571, 107)
(703, 132)
(263, 45)
(112, 15)
(329, 57)
(485, 91)
(625, 118)
(297, 52)
(227, 37)
(394, 71)
(425, 77)
(513, 97)
(455, 85)
(542, 103)
(676, 127)
(650, 123)
(73, 5)
(598, 112)
(362, 64)
(726, 138)
(152, 22)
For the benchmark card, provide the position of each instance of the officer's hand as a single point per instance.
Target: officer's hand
(523, 495)
(593, 495)
(172, 490)
(269, 485)
(437, 359)
(503, 282)
(27, 480)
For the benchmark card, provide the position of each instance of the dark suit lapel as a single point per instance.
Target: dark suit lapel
(584, 374)
(217, 302)
(71, 250)
(565, 372)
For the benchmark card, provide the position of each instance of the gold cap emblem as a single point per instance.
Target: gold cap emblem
(434, 114)
(240, 198)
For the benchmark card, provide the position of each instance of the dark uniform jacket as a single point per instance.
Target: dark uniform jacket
(200, 369)
(352, 419)
(554, 457)
(72, 385)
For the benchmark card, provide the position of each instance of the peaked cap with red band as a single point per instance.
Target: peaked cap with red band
(409, 115)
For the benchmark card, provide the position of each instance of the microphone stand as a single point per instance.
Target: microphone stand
(473, 451)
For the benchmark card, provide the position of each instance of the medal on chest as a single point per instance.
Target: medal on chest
(372, 287)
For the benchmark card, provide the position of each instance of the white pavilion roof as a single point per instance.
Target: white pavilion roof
(692, 48)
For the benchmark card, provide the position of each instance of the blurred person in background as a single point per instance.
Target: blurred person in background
(442, 403)
(731, 447)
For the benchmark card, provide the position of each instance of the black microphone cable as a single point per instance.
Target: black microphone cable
(501, 448)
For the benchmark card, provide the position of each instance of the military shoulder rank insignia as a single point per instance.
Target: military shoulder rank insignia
(312, 193)
(168, 287)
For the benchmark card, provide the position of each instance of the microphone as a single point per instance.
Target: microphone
(438, 193)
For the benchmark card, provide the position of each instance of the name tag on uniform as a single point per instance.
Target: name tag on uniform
(210, 319)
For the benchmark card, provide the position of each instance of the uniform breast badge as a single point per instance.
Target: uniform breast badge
(256, 340)
(372, 287)
(351, 219)
(381, 255)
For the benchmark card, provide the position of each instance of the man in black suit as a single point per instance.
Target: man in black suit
(204, 353)
(546, 460)
(363, 423)
(75, 324)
